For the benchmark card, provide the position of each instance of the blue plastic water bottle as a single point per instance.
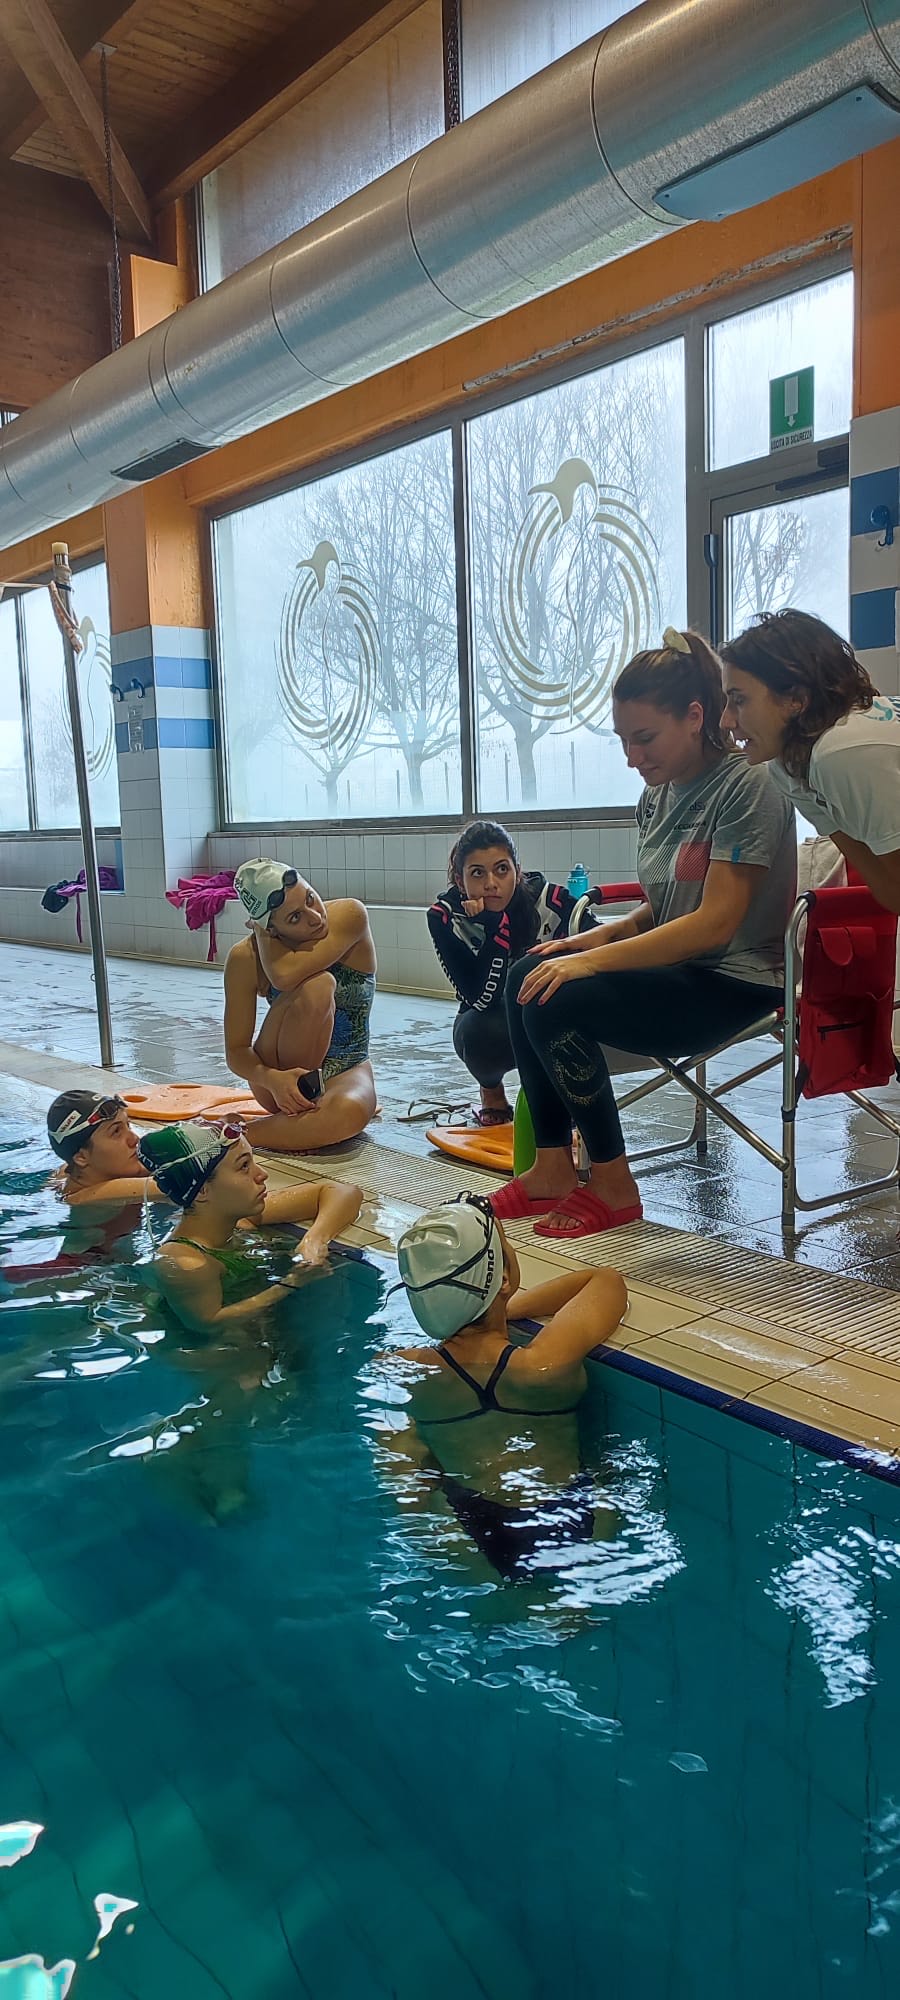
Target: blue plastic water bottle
(579, 881)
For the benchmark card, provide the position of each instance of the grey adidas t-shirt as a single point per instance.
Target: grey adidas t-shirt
(735, 813)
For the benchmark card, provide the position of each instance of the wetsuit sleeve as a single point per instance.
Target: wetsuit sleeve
(474, 952)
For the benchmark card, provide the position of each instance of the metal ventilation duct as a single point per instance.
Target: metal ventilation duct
(682, 109)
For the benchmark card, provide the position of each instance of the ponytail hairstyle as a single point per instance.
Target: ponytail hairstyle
(524, 922)
(682, 670)
(793, 653)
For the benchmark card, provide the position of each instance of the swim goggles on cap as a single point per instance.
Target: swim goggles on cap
(289, 880)
(84, 1121)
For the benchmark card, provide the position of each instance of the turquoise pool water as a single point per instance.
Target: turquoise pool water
(250, 1688)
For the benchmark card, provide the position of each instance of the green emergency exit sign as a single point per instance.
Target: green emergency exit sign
(791, 409)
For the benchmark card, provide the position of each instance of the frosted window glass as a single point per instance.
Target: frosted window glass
(812, 328)
(505, 41)
(338, 644)
(578, 558)
(381, 108)
(13, 787)
(54, 768)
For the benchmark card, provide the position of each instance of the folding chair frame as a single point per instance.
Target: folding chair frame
(783, 1025)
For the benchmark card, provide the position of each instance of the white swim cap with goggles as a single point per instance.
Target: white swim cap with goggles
(451, 1266)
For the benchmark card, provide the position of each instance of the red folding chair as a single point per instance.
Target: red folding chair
(835, 1034)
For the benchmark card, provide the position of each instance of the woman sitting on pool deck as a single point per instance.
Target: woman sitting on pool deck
(801, 702)
(700, 960)
(204, 1270)
(314, 965)
(512, 1477)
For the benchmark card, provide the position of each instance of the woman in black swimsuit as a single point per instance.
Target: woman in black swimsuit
(515, 1487)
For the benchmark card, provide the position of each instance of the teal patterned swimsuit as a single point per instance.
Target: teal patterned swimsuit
(354, 994)
(353, 997)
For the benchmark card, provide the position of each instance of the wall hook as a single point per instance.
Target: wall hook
(882, 517)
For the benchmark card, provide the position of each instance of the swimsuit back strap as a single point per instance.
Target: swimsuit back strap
(462, 1372)
(489, 1392)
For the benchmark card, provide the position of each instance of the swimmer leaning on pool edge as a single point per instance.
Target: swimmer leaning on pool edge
(204, 1269)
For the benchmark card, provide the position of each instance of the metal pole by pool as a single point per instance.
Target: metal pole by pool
(62, 577)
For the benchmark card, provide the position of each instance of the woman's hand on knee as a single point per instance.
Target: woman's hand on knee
(546, 979)
(586, 941)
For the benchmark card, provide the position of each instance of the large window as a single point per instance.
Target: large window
(439, 628)
(35, 736)
(505, 41)
(338, 644)
(811, 328)
(578, 561)
(379, 109)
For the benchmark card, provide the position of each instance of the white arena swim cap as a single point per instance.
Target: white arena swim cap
(451, 1265)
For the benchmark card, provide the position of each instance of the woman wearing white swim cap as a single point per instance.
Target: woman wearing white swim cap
(512, 1479)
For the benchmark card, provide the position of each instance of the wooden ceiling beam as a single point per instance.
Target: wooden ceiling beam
(321, 43)
(45, 58)
(21, 112)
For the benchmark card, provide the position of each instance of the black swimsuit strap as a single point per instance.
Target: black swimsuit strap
(489, 1391)
(484, 1391)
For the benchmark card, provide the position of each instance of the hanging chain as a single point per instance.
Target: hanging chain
(452, 37)
(111, 186)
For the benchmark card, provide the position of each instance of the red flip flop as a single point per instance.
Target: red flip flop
(512, 1202)
(593, 1214)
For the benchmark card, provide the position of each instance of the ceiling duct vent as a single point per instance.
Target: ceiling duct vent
(167, 460)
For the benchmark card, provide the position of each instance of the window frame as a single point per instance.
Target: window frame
(585, 354)
(16, 594)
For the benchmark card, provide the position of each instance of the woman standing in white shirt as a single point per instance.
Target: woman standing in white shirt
(799, 700)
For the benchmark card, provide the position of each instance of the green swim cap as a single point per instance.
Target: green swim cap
(182, 1158)
(451, 1265)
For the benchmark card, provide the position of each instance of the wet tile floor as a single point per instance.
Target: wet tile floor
(167, 1023)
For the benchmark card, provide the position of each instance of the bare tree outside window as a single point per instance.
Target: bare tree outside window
(338, 633)
(578, 560)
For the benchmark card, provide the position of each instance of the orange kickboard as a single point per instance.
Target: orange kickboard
(166, 1103)
(479, 1147)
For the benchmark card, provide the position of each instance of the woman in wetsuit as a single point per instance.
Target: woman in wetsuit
(208, 1270)
(495, 1421)
(314, 965)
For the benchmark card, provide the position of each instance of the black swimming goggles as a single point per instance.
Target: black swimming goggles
(289, 880)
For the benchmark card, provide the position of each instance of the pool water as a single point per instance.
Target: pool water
(249, 1688)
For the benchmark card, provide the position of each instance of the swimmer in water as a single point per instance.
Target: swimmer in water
(494, 1421)
(313, 963)
(211, 1267)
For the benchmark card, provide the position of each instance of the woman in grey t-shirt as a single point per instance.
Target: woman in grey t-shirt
(699, 961)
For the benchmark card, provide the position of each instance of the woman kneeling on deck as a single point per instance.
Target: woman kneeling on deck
(314, 964)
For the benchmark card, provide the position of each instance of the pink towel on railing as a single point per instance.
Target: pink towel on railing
(203, 898)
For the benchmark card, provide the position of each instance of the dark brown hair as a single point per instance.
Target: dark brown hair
(791, 652)
(671, 680)
(524, 922)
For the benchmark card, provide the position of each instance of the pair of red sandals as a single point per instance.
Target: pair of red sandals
(513, 1203)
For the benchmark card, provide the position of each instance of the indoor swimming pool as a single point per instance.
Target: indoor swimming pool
(271, 1722)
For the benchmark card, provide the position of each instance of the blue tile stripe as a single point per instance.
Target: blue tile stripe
(169, 672)
(873, 619)
(877, 1465)
(186, 732)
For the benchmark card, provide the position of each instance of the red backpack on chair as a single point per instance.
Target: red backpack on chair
(847, 993)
